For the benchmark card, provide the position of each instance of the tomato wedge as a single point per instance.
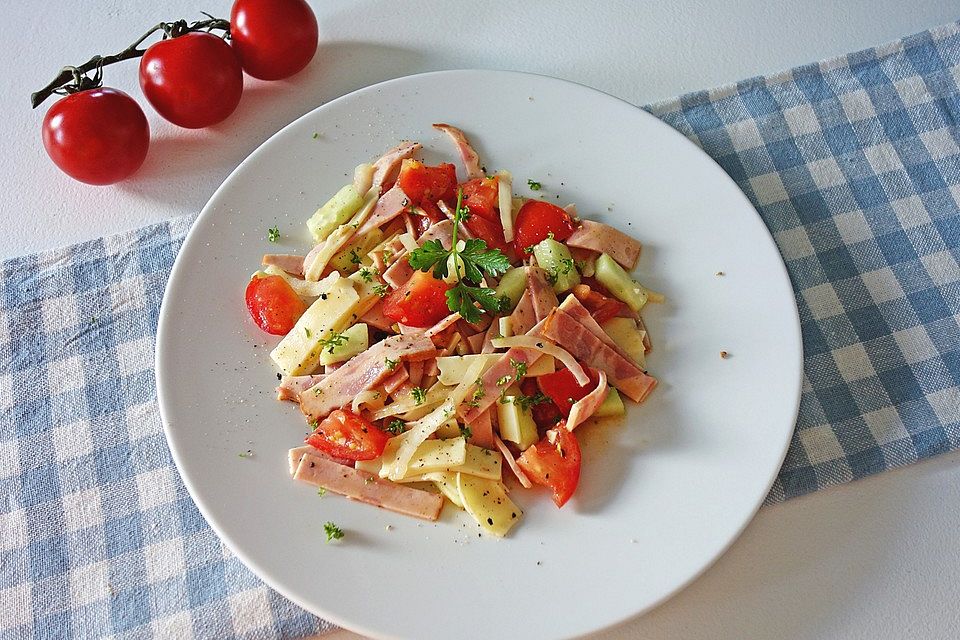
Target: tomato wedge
(425, 184)
(554, 462)
(536, 220)
(344, 434)
(421, 302)
(481, 196)
(273, 304)
(545, 414)
(601, 307)
(563, 389)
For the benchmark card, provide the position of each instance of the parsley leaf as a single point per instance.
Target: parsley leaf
(395, 427)
(273, 234)
(419, 395)
(333, 531)
(470, 264)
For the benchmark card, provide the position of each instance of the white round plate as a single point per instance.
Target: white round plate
(662, 493)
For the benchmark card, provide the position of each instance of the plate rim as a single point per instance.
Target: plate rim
(178, 265)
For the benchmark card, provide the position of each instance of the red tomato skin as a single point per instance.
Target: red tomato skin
(193, 80)
(491, 233)
(545, 465)
(273, 304)
(601, 307)
(98, 136)
(274, 39)
(536, 220)
(421, 302)
(482, 197)
(344, 434)
(563, 389)
(545, 414)
(426, 185)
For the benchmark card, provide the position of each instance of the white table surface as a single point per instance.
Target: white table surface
(874, 559)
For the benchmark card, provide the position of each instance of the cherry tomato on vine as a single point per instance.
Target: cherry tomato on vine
(193, 80)
(98, 136)
(273, 39)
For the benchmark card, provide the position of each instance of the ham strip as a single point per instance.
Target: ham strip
(398, 273)
(493, 331)
(387, 167)
(587, 405)
(503, 368)
(512, 463)
(395, 381)
(603, 238)
(524, 316)
(289, 263)
(415, 371)
(476, 342)
(575, 308)
(471, 161)
(291, 387)
(443, 325)
(481, 431)
(363, 371)
(560, 327)
(541, 293)
(389, 206)
(442, 231)
(375, 318)
(463, 233)
(297, 453)
(366, 487)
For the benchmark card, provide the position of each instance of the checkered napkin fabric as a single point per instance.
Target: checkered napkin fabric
(854, 166)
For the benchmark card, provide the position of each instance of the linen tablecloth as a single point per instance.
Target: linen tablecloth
(853, 164)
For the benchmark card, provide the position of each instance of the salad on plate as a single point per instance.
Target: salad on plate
(445, 339)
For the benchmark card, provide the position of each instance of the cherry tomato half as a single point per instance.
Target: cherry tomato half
(563, 388)
(545, 414)
(98, 136)
(274, 39)
(482, 196)
(425, 184)
(344, 434)
(193, 80)
(601, 307)
(274, 305)
(536, 220)
(421, 302)
(554, 464)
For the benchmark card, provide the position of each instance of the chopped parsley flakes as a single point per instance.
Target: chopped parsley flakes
(380, 289)
(333, 531)
(335, 340)
(419, 395)
(273, 234)
(465, 432)
(395, 427)
(534, 185)
(391, 364)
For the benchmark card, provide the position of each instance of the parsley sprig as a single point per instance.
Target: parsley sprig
(470, 263)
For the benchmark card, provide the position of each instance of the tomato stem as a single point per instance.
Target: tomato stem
(73, 79)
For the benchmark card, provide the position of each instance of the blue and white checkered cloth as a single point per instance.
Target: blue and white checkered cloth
(854, 166)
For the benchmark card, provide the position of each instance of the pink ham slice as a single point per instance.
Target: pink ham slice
(291, 387)
(463, 233)
(587, 405)
(387, 167)
(502, 368)
(481, 431)
(375, 318)
(471, 161)
(442, 231)
(366, 487)
(289, 263)
(493, 331)
(389, 206)
(561, 328)
(443, 325)
(476, 342)
(364, 371)
(415, 370)
(398, 273)
(523, 317)
(603, 238)
(395, 380)
(541, 293)
(575, 308)
(297, 453)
